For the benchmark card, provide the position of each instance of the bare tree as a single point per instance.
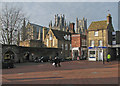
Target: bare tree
(11, 22)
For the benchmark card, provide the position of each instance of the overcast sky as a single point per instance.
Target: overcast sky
(42, 13)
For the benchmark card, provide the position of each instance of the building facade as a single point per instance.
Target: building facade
(98, 39)
(79, 46)
(116, 44)
(33, 35)
(59, 39)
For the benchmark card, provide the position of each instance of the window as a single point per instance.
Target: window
(62, 46)
(53, 42)
(100, 43)
(65, 37)
(96, 33)
(66, 46)
(83, 42)
(50, 36)
(113, 42)
(70, 47)
(68, 37)
(47, 42)
(113, 33)
(92, 52)
(92, 43)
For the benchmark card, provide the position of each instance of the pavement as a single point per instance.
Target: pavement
(70, 72)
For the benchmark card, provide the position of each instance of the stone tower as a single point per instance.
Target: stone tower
(81, 25)
(60, 22)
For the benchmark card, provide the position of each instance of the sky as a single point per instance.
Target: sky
(42, 13)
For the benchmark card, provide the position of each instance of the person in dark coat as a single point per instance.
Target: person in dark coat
(57, 62)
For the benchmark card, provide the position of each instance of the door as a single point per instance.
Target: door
(75, 54)
(100, 56)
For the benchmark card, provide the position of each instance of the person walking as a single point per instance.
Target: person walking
(108, 57)
(59, 62)
(56, 61)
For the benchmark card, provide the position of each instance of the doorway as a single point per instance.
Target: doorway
(75, 54)
(100, 55)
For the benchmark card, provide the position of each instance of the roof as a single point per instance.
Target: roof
(35, 25)
(60, 34)
(98, 25)
(38, 27)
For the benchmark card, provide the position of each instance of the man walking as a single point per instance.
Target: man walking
(57, 61)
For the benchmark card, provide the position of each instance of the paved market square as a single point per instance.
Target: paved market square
(70, 72)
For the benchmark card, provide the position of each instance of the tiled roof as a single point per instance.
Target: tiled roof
(60, 34)
(98, 25)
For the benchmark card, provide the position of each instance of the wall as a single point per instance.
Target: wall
(100, 36)
(76, 40)
(20, 51)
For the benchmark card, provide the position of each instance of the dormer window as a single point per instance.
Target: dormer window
(96, 33)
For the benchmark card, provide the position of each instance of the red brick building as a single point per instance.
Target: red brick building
(79, 46)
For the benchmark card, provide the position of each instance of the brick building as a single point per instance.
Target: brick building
(99, 39)
(79, 46)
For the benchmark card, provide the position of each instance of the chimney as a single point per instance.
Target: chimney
(109, 19)
(72, 27)
(44, 33)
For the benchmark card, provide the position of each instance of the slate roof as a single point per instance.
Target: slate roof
(60, 34)
(98, 25)
(37, 26)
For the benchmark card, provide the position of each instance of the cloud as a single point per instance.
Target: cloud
(43, 12)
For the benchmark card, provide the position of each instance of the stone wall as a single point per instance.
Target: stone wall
(19, 52)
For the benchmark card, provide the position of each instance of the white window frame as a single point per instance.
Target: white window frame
(100, 43)
(50, 36)
(113, 33)
(96, 33)
(92, 42)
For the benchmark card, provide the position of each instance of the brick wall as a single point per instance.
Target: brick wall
(76, 40)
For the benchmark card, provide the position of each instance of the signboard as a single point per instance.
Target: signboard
(96, 47)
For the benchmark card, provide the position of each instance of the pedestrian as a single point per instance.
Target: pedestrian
(56, 61)
(108, 57)
(32, 55)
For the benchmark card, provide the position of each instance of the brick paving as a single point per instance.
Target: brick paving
(71, 72)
